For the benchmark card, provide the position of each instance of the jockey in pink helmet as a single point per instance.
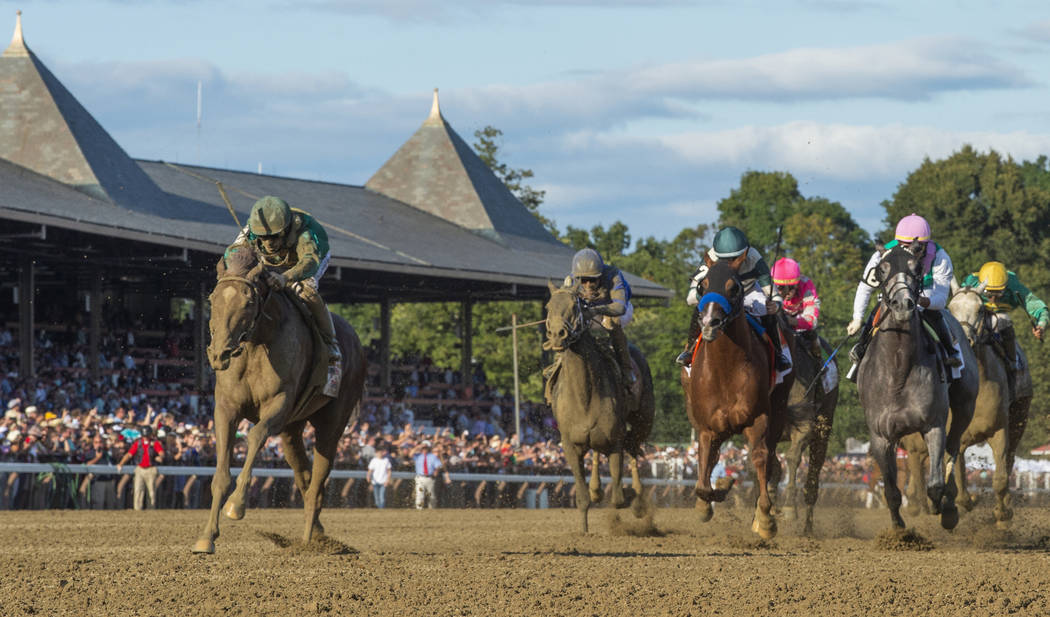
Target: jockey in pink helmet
(912, 232)
(801, 303)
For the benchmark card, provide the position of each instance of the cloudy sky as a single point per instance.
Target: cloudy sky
(645, 111)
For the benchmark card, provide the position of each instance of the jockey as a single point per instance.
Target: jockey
(1003, 291)
(604, 291)
(913, 233)
(801, 303)
(761, 300)
(294, 242)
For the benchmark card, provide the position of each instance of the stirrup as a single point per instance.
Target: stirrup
(333, 379)
(782, 363)
(953, 360)
(684, 359)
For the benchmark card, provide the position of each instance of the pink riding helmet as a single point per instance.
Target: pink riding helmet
(913, 228)
(786, 272)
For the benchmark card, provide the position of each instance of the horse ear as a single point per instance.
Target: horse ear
(550, 285)
(568, 282)
(954, 286)
(738, 261)
(255, 271)
(220, 267)
(707, 260)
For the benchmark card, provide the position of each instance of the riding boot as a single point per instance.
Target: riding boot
(686, 357)
(936, 321)
(323, 318)
(770, 323)
(856, 354)
(1009, 341)
(623, 353)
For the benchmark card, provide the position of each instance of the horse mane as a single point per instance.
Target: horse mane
(239, 261)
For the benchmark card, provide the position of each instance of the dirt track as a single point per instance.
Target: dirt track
(505, 562)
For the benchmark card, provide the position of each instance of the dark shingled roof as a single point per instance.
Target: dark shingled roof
(436, 171)
(44, 128)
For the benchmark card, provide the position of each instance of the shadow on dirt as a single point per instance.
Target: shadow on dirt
(319, 545)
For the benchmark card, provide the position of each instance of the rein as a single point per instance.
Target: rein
(575, 327)
(976, 335)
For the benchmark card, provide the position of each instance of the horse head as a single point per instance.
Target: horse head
(967, 306)
(899, 277)
(236, 304)
(564, 316)
(723, 297)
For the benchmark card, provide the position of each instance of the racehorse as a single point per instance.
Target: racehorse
(730, 390)
(594, 409)
(810, 415)
(901, 382)
(996, 419)
(262, 350)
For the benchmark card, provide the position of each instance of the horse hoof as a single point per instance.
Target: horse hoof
(706, 511)
(966, 502)
(789, 513)
(596, 497)
(949, 518)
(637, 509)
(204, 546)
(233, 511)
(1003, 525)
(766, 532)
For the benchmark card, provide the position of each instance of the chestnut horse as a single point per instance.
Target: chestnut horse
(594, 410)
(729, 390)
(262, 350)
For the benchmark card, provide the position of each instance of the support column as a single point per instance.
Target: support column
(26, 313)
(467, 347)
(200, 336)
(384, 344)
(95, 325)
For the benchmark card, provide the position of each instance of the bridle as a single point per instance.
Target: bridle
(237, 346)
(575, 327)
(974, 334)
(731, 309)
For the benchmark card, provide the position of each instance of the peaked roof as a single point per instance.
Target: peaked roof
(437, 172)
(45, 129)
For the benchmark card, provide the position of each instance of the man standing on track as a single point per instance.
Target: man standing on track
(148, 453)
(427, 465)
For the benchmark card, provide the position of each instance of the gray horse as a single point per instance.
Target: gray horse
(903, 386)
(996, 419)
(810, 415)
(594, 410)
(262, 351)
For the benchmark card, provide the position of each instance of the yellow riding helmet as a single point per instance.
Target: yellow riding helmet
(993, 275)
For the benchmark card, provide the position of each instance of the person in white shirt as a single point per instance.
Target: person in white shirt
(379, 471)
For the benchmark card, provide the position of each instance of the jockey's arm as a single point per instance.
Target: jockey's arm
(1035, 307)
(306, 250)
(810, 313)
(942, 272)
(864, 291)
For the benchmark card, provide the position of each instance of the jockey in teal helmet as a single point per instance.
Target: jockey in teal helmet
(761, 297)
(605, 292)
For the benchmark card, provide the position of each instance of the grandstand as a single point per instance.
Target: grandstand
(86, 230)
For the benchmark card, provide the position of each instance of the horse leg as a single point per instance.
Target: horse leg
(884, 452)
(616, 472)
(963, 498)
(818, 449)
(313, 498)
(574, 455)
(1017, 423)
(793, 458)
(764, 524)
(596, 479)
(636, 485)
(940, 492)
(1001, 480)
(706, 455)
(295, 454)
(225, 422)
(234, 507)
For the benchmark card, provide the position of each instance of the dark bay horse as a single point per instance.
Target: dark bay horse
(262, 351)
(996, 418)
(809, 419)
(901, 382)
(594, 410)
(730, 390)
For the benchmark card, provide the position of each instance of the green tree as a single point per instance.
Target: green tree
(760, 205)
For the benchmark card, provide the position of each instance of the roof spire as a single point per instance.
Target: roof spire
(435, 112)
(17, 48)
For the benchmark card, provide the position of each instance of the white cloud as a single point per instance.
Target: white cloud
(1038, 31)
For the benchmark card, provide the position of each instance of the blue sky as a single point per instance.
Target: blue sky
(645, 111)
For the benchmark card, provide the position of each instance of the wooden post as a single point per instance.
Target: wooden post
(26, 313)
(517, 389)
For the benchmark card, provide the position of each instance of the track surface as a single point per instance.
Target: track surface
(518, 562)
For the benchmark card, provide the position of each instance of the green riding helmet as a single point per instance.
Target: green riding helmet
(730, 242)
(270, 216)
(587, 263)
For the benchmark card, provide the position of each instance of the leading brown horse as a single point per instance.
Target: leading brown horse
(729, 390)
(262, 351)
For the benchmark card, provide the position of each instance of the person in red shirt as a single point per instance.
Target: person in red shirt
(147, 452)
